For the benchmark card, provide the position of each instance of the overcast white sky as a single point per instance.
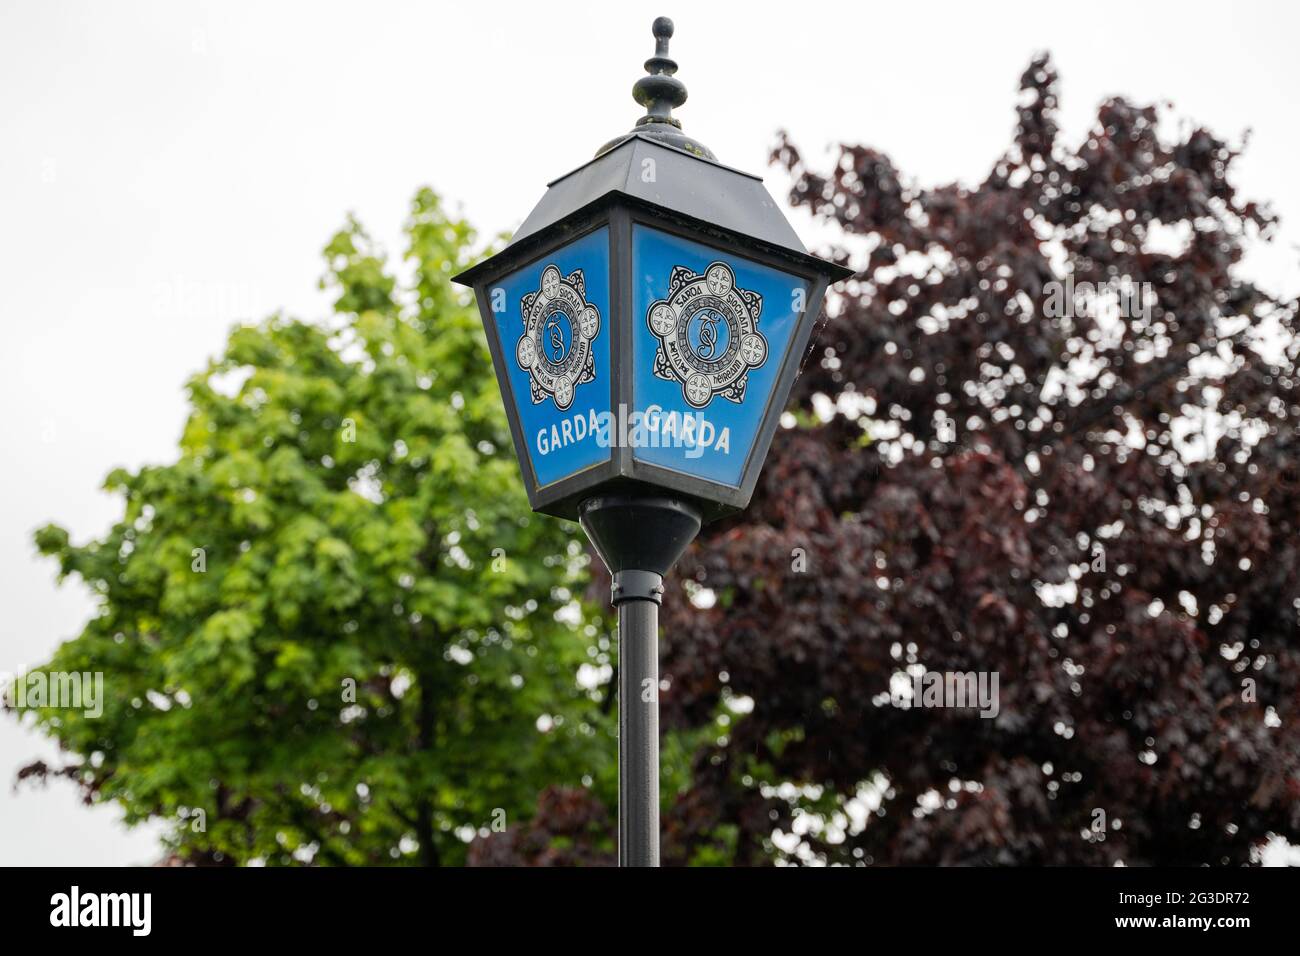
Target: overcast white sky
(167, 169)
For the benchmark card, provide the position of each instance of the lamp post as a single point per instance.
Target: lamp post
(646, 323)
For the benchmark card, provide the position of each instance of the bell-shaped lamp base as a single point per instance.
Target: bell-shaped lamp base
(638, 533)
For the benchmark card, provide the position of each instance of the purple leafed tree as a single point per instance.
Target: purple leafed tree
(1048, 434)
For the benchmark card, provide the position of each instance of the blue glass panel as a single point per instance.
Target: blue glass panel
(553, 317)
(710, 332)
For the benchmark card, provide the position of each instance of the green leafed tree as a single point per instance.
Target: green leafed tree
(331, 631)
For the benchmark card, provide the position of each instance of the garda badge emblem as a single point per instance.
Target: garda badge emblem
(708, 334)
(559, 325)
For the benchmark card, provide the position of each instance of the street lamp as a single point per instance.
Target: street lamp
(646, 323)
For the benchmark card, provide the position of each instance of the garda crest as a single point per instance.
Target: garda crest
(559, 325)
(708, 334)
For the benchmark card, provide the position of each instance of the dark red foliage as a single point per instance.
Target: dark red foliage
(571, 828)
(1129, 573)
(1065, 532)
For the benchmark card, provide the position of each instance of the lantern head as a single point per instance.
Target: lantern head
(648, 319)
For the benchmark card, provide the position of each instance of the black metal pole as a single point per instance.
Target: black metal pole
(636, 594)
(639, 537)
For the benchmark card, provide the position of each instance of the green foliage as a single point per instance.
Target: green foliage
(333, 625)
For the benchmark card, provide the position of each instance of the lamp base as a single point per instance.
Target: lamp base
(640, 538)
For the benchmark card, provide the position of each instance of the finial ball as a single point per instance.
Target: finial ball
(662, 28)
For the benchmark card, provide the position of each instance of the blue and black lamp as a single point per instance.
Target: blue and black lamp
(646, 324)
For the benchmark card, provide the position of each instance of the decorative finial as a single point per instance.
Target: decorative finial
(659, 91)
